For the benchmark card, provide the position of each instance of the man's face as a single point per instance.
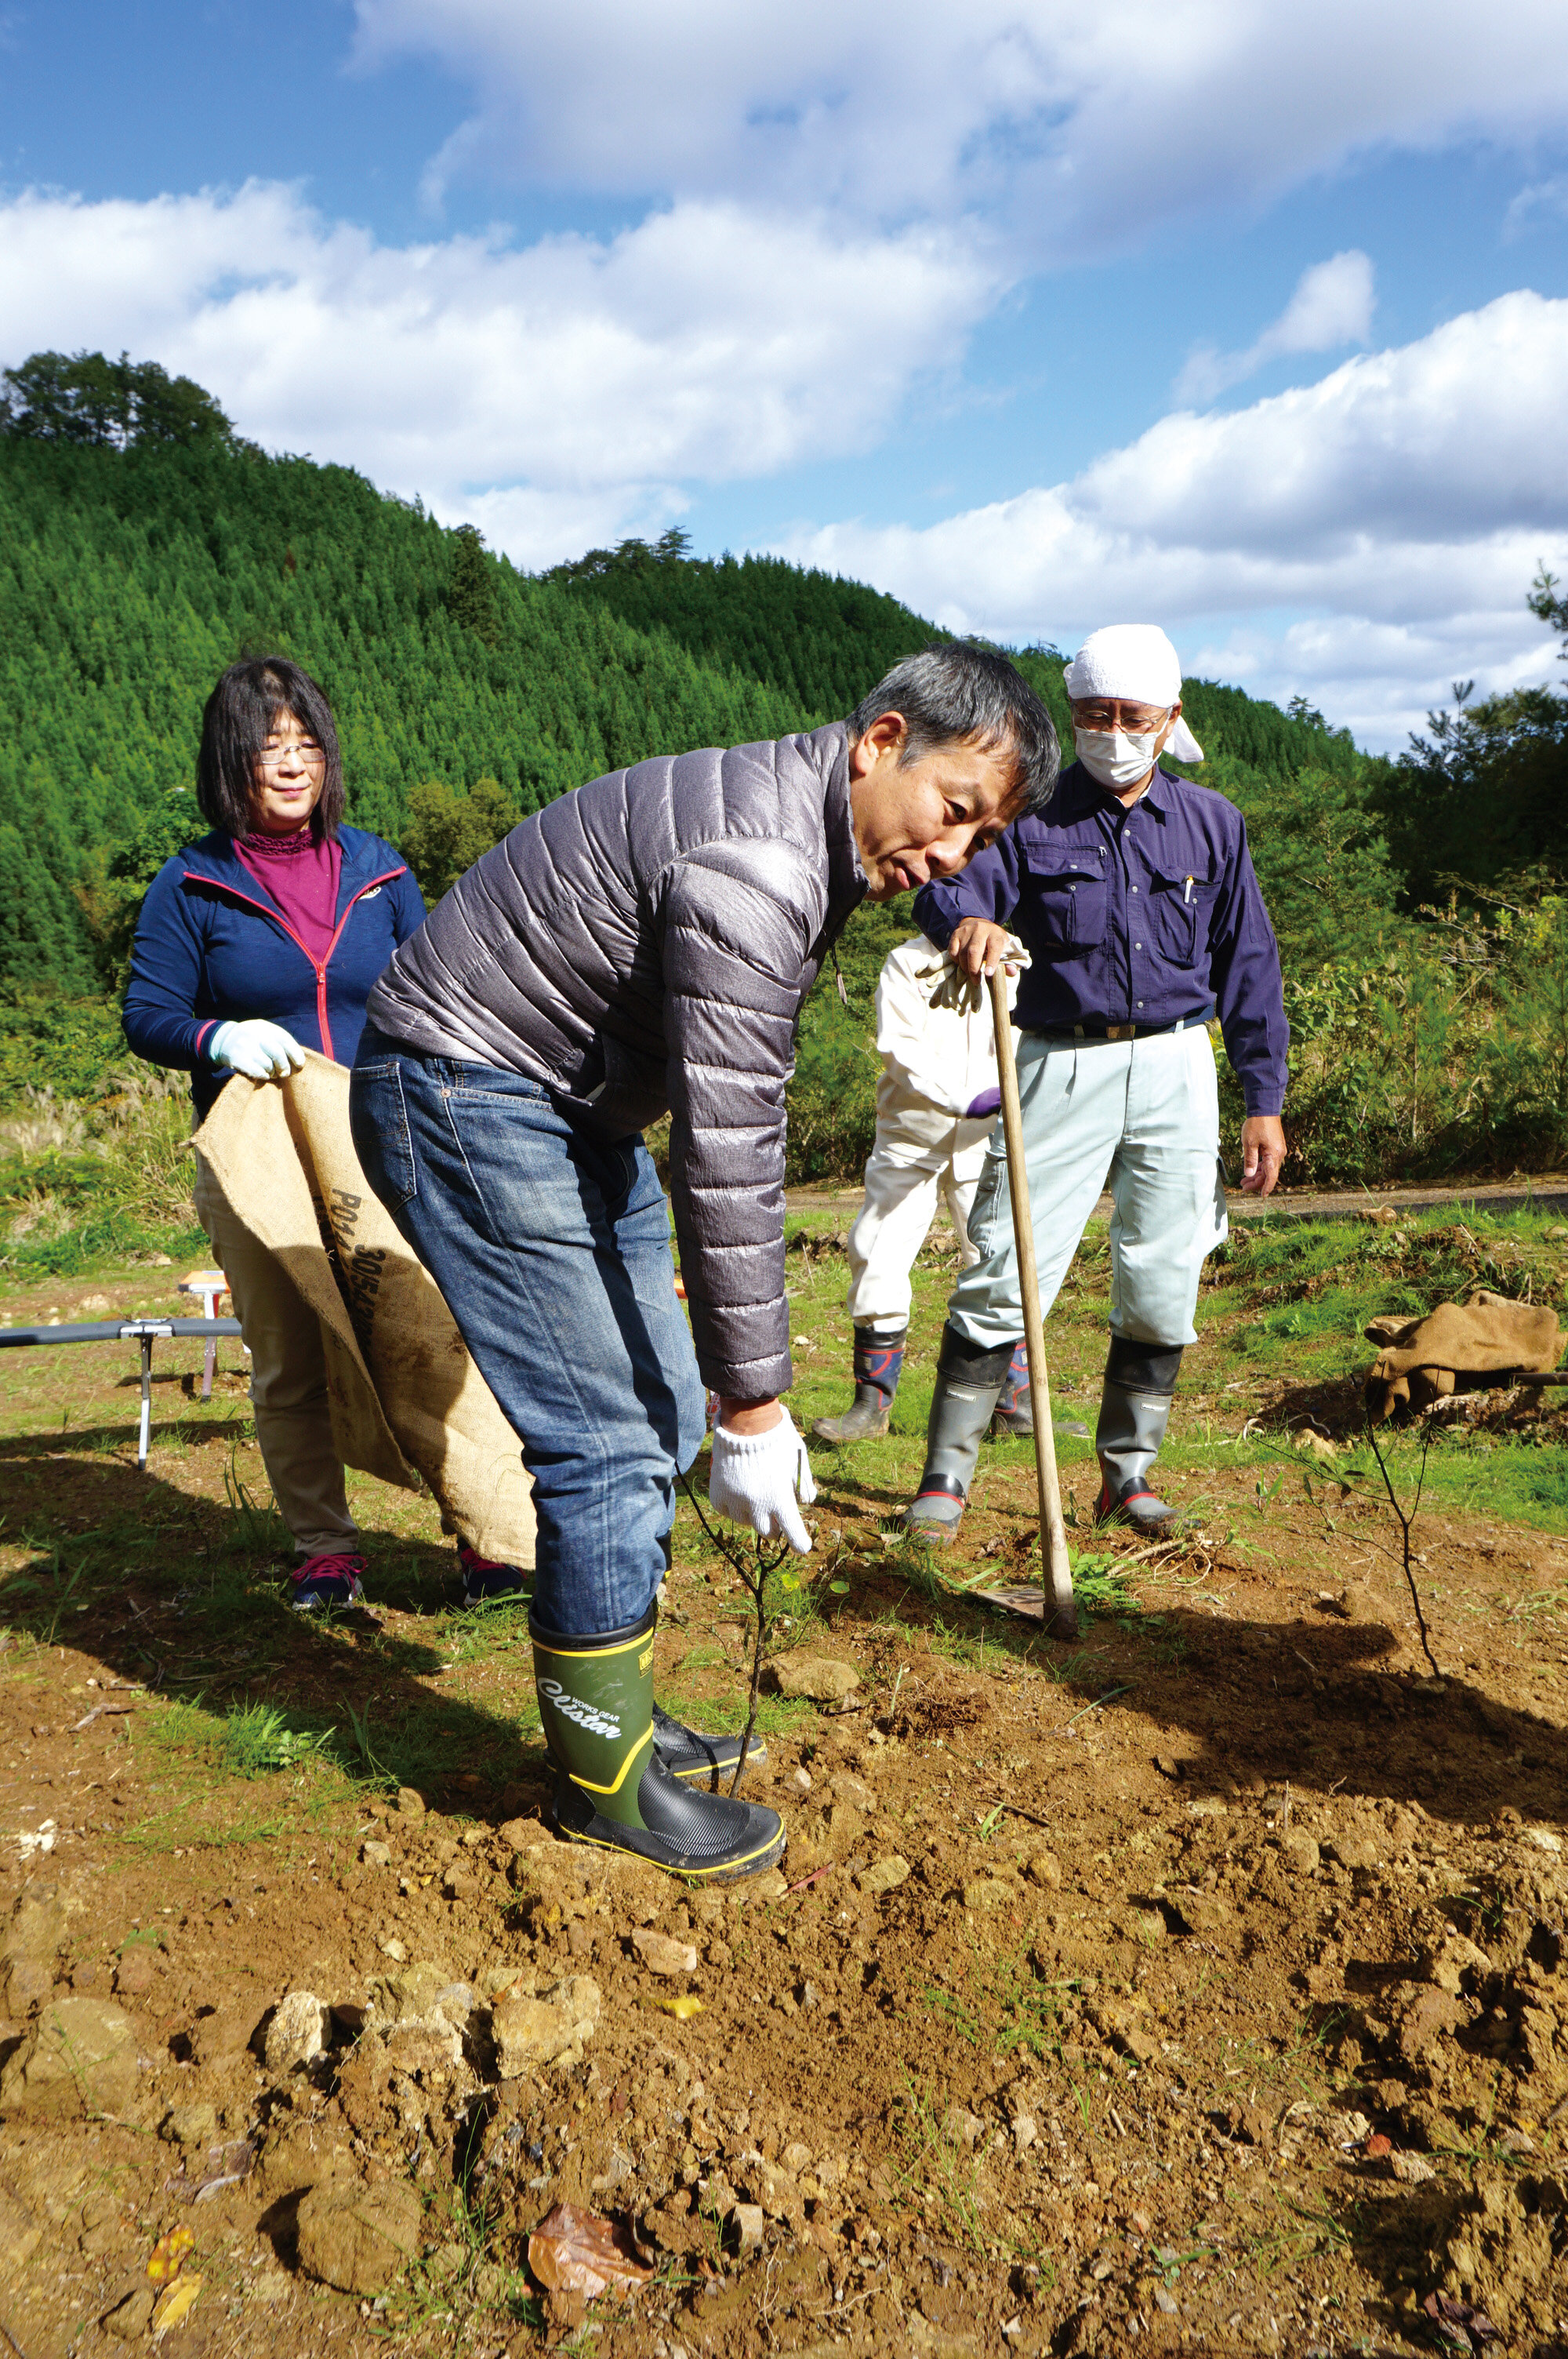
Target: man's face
(926, 818)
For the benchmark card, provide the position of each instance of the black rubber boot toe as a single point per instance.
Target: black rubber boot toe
(684, 1830)
(690, 1753)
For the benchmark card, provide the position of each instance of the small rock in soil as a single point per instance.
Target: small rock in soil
(1046, 1869)
(376, 1854)
(19, 2232)
(189, 2124)
(131, 2318)
(1353, 1851)
(357, 2238)
(134, 1975)
(661, 1955)
(1300, 1853)
(298, 2031)
(883, 1874)
(821, 1678)
(35, 1927)
(746, 2220)
(555, 2026)
(82, 2053)
(966, 2128)
(410, 1802)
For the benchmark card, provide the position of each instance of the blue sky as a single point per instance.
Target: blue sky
(1187, 312)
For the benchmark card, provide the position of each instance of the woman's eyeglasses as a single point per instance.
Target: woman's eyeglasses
(306, 749)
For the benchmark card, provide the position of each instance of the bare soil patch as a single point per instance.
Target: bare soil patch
(1198, 1988)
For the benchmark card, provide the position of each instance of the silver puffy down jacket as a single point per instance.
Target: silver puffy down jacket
(642, 947)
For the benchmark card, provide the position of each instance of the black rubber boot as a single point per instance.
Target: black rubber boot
(1135, 1409)
(878, 1363)
(612, 1789)
(1014, 1409)
(969, 1376)
(690, 1753)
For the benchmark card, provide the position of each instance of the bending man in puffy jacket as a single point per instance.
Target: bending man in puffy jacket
(936, 1104)
(643, 946)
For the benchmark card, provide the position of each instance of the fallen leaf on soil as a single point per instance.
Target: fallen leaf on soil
(576, 2254)
(1378, 2145)
(175, 2306)
(1461, 2326)
(168, 2255)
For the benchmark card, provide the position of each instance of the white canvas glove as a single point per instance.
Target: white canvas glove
(755, 1478)
(948, 985)
(262, 1051)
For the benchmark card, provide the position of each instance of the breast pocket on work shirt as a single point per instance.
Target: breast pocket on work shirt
(1069, 898)
(1180, 908)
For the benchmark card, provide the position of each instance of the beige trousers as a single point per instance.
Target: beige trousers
(289, 1378)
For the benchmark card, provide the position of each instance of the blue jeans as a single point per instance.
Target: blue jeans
(552, 1248)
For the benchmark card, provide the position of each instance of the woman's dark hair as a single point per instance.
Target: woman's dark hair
(958, 692)
(240, 714)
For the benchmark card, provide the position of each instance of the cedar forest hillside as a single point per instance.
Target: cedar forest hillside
(143, 545)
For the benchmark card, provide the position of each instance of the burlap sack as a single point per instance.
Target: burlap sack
(1422, 1359)
(407, 1400)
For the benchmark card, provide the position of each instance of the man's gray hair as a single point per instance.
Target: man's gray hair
(959, 693)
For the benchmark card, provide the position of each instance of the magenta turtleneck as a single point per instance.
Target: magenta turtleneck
(300, 875)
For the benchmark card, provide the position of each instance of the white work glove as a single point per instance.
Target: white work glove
(755, 1478)
(262, 1051)
(948, 985)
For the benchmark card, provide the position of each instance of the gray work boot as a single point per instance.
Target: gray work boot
(1014, 1408)
(969, 1376)
(1135, 1409)
(879, 1361)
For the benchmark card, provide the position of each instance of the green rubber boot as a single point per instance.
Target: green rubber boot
(612, 1788)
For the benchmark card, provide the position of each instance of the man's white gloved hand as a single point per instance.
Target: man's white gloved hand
(948, 985)
(755, 1478)
(262, 1051)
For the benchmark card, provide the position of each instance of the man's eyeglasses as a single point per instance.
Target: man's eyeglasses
(272, 757)
(1135, 718)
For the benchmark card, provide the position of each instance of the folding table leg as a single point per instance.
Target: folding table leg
(146, 1343)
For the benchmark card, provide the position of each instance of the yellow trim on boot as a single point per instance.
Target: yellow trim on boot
(753, 1863)
(593, 1654)
(587, 1783)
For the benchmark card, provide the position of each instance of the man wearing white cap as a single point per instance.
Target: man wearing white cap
(1135, 894)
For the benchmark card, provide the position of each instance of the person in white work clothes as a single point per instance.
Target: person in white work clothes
(937, 1105)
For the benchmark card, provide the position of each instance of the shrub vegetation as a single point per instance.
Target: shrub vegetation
(144, 545)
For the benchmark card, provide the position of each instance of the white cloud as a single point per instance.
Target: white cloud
(575, 381)
(1084, 127)
(1332, 306)
(1539, 200)
(1405, 502)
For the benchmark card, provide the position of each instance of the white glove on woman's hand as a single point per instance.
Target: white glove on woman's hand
(755, 1478)
(262, 1051)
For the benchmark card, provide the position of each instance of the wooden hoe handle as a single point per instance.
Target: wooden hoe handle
(1061, 1611)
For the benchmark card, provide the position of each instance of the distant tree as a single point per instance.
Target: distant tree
(470, 589)
(1482, 798)
(83, 399)
(447, 831)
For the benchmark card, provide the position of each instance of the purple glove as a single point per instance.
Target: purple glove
(988, 1102)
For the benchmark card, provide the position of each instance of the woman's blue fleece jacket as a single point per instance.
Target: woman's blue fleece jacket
(211, 946)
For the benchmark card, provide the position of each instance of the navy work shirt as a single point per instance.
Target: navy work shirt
(1138, 915)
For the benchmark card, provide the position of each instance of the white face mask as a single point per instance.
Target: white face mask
(1117, 758)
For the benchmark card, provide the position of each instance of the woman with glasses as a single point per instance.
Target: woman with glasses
(259, 941)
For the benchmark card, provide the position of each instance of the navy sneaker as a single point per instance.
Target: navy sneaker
(486, 1583)
(332, 1580)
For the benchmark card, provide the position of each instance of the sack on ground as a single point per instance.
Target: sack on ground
(1422, 1360)
(407, 1399)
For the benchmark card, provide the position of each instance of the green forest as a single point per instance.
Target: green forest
(144, 545)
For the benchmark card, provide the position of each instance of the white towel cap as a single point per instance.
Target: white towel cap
(1134, 661)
